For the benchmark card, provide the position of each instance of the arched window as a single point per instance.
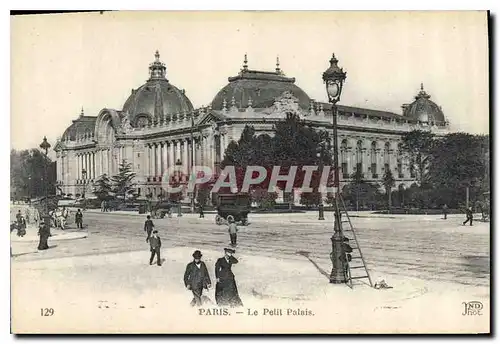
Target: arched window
(387, 157)
(373, 157)
(359, 157)
(343, 159)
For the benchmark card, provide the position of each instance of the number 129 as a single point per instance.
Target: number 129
(46, 312)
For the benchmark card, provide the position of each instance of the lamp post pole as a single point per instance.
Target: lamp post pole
(334, 79)
(321, 209)
(44, 231)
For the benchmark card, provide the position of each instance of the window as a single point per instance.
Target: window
(359, 156)
(138, 155)
(138, 191)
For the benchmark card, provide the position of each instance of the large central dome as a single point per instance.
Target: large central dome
(156, 98)
(258, 89)
(424, 110)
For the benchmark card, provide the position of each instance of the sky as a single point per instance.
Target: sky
(61, 63)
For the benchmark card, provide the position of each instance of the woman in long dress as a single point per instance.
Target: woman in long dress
(226, 291)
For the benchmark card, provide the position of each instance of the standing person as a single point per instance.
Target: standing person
(196, 278)
(44, 233)
(445, 211)
(79, 219)
(468, 213)
(226, 292)
(155, 245)
(233, 229)
(103, 206)
(148, 227)
(202, 215)
(18, 216)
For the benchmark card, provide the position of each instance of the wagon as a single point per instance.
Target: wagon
(236, 205)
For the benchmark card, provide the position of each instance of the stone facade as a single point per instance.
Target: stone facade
(367, 139)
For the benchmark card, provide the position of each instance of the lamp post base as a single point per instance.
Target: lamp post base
(339, 269)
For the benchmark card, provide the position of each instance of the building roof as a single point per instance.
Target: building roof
(83, 125)
(258, 89)
(423, 109)
(156, 98)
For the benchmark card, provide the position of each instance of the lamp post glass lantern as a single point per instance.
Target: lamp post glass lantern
(334, 78)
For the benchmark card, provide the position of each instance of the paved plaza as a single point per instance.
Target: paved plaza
(429, 262)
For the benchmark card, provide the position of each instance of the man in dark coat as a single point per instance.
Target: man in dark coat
(226, 292)
(196, 278)
(148, 227)
(468, 213)
(155, 244)
(79, 219)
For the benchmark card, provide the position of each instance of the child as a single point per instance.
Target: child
(155, 244)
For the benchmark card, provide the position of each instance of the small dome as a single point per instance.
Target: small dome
(423, 109)
(156, 98)
(258, 89)
(83, 126)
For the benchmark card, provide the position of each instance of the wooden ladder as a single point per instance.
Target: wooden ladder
(357, 262)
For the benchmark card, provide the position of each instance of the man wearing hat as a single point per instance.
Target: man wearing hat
(155, 244)
(226, 292)
(196, 278)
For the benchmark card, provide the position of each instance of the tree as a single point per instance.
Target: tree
(27, 174)
(123, 182)
(418, 145)
(264, 198)
(458, 161)
(103, 188)
(310, 199)
(294, 144)
(202, 194)
(388, 182)
(360, 191)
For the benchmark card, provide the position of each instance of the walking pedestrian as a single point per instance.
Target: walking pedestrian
(196, 278)
(445, 211)
(44, 233)
(155, 245)
(148, 227)
(468, 213)
(233, 229)
(226, 291)
(79, 219)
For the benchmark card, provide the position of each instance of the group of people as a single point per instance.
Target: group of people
(196, 276)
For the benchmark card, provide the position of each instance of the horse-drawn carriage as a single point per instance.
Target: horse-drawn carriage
(236, 205)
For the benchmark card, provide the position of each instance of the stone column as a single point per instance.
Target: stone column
(177, 150)
(150, 160)
(162, 158)
(185, 155)
(77, 174)
(222, 147)
(158, 159)
(171, 154)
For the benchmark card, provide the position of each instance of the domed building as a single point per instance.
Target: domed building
(424, 110)
(158, 128)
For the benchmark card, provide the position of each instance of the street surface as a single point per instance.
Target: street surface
(425, 247)
(103, 283)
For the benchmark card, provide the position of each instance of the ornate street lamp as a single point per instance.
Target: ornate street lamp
(45, 145)
(178, 164)
(334, 78)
